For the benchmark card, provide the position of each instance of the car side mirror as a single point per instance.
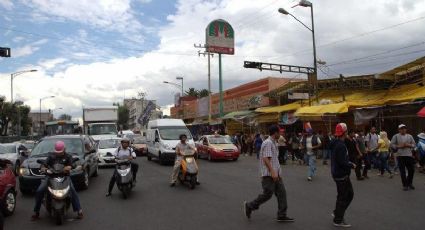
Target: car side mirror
(23, 153)
(157, 139)
(75, 159)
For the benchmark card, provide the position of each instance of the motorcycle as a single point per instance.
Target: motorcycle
(57, 200)
(188, 169)
(124, 176)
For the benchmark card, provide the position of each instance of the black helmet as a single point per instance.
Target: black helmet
(125, 140)
(182, 135)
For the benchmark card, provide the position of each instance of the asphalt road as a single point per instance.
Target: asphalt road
(379, 203)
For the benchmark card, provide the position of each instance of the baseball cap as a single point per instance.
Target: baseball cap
(402, 126)
(340, 129)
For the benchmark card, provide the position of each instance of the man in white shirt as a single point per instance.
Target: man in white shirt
(181, 147)
(122, 152)
(311, 143)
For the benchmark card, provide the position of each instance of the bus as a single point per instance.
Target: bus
(61, 127)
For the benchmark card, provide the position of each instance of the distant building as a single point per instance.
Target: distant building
(36, 118)
(141, 111)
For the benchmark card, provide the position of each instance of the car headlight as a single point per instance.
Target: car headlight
(168, 147)
(24, 172)
(124, 172)
(59, 193)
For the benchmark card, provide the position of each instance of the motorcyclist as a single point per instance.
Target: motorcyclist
(61, 157)
(122, 152)
(181, 147)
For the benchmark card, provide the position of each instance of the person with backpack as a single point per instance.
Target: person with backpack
(403, 143)
(311, 144)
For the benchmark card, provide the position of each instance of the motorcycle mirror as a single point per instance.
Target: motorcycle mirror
(75, 159)
(156, 139)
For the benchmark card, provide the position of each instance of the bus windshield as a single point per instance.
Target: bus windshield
(103, 129)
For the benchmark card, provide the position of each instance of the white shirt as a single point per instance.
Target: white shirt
(120, 152)
(309, 144)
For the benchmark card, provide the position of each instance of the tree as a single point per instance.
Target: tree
(203, 93)
(65, 117)
(123, 115)
(9, 116)
(192, 92)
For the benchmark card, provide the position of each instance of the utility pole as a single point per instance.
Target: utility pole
(209, 76)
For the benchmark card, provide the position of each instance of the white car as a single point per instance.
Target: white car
(15, 152)
(105, 149)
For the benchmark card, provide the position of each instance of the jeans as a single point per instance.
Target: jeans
(311, 159)
(257, 151)
(359, 166)
(383, 157)
(326, 154)
(409, 163)
(271, 187)
(41, 190)
(374, 159)
(282, 154)
(134, 169)
(343, 199)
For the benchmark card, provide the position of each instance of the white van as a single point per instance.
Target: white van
(162, 137)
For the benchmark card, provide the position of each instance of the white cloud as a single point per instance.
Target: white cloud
(261, 34)
(27, 50)
(7, 4)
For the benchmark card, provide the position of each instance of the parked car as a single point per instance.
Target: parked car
(105, 149)
(16, 153)
(7, 188)
(28, 144)
(217, 147)
(79, 146)
(139, 146)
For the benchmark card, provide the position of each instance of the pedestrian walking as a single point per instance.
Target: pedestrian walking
(294, 141)
(363, 159)
(421, 150)
(281, 143)
(383, 149)
(341, 170)
(372, 148)
(311, 143)
(250, 144)
(403, 143)
(257, 144)
(271, 181)
(354, 153)
(327, 138)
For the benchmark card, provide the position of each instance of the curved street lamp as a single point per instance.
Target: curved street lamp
(12, 76)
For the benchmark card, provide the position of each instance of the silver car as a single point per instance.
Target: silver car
(15, 152)
(105, 149)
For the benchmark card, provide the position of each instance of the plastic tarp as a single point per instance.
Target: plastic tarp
(421, 112)
(267, 118)
(279, 109)
(363, 116)
(238, 115)
(319, 110)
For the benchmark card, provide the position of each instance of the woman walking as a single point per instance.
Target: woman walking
(383, 149)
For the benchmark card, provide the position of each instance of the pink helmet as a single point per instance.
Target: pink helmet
(59, 146)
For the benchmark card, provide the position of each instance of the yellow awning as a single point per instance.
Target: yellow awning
(319, 110)
(279, 109)
(267, 118)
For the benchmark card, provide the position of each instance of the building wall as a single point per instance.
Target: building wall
(136, 107)
(35, 117)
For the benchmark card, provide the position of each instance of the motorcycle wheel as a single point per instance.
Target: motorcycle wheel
(126, 191)
(192, 183)
(59, 218)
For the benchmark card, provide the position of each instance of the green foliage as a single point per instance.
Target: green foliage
(197, 93)
(123, 115)
(65, 117)
(9, 116)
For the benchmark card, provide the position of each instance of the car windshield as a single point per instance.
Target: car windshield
(109, 144)
(8, 149)
(28, 145)
(103, 129)
(219, 140)
(173, 133)
(139, 141)
(73, 146)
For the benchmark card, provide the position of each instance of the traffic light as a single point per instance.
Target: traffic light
(252, 65)
(4, 52)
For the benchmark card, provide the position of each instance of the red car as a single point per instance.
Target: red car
(217, 147)
(7, 188)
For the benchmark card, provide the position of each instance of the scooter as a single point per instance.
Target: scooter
(188, 169)
(58, 198)
(124, 176)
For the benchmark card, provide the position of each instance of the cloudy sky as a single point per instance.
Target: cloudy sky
(96, 52)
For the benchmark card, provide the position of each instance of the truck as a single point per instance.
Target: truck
(100, 121)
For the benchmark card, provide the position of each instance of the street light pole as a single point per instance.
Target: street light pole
(12, 76)
(39, 125)
(181, 78)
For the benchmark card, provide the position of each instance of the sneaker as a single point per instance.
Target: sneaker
(405, 188)
(342, 224)
(198, 183)
(333, 214)
(173, 184)
(411, 187)
(35, 217)
(80, 215)
(309, 178)
(285, 219)
(247, 210)
(366, 177)
(108, 194)
(360, 178)
(391, 176)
